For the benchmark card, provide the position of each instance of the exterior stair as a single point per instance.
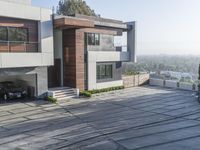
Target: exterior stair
(62, 93)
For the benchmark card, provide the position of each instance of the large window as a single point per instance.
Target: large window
(104, 71)
(93, 39)
(13, 34)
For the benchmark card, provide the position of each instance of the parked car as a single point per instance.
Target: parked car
(8, 90)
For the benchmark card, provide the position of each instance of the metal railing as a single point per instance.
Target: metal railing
(18, 46)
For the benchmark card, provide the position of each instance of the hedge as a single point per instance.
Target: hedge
(51, 99)
(89, 93)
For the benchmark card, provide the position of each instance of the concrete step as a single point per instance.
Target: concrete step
(59, 88)
(63, 90)
(63, 93)
(65, 98)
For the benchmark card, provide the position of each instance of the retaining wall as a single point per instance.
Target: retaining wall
(135, 80)
(173, 84)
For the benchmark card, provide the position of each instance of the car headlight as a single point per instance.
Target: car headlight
(24, 92)
(10, 94)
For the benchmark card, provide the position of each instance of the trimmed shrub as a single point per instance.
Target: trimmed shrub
(86, 94)
(51, 99)
(130, 73)
(89, 93)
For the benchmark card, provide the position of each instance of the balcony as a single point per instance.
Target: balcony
(23, 54)
(18, 47)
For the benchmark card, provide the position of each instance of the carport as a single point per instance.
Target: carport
(28, 81)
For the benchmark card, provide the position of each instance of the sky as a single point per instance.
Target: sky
(163, 26)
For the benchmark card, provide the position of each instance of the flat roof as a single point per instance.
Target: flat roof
(82, 21)
(66, 21)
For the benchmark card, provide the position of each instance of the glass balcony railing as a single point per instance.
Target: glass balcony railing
(18, 47)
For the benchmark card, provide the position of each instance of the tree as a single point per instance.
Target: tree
(71, 7)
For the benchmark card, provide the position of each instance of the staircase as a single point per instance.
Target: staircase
(62, 93)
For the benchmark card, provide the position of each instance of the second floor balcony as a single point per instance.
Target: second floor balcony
(18, 47)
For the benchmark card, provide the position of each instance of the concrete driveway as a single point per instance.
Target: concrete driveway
(146, 118)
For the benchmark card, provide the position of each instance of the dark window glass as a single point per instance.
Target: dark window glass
(18, 34)
(98, 72)
(93, 39)
(118, 65)
(97, 39)
(90, 39)
(3, 34)
(108, 71)
(104, 72)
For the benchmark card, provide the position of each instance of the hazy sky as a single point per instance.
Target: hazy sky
(163, 26)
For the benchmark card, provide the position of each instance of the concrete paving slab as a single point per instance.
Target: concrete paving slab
(141, 117)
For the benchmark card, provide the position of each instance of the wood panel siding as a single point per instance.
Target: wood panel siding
(69, 58)
(73, 49)
(32, 43)
(100, 31)
(73, 23)
(80, 80)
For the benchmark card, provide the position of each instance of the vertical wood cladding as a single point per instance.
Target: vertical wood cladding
(73, 45)
(32, 27)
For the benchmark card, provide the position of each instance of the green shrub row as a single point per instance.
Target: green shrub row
(86, 94)
(129, 73)
(89, 93)
(51, 99)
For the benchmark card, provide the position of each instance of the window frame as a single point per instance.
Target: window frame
(93, 39)
(107, 73)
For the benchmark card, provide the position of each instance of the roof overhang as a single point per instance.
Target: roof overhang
(71, 22)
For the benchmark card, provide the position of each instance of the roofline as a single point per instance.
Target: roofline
(82, 21)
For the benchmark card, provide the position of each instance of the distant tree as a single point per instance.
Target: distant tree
(71, 7)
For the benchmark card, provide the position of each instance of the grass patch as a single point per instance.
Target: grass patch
(51, 99)
(91, 92)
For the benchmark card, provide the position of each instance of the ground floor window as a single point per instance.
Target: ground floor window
(104, 71)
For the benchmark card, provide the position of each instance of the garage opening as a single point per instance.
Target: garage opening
(20, 84)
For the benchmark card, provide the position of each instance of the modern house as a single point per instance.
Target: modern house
(45, 51)
(87, 52)
(26, 44)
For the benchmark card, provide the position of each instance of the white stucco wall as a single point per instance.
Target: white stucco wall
(26, 2)
(109, 84)
(58, 50)
(110, 56)
(186, 86)
(43, 16)
(171, 84)
(156, 82)
(101, 56)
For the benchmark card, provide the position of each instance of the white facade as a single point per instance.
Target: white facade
(102, 56)
(28, 12)
(29, 67)
(26, 2)
(95, 57)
